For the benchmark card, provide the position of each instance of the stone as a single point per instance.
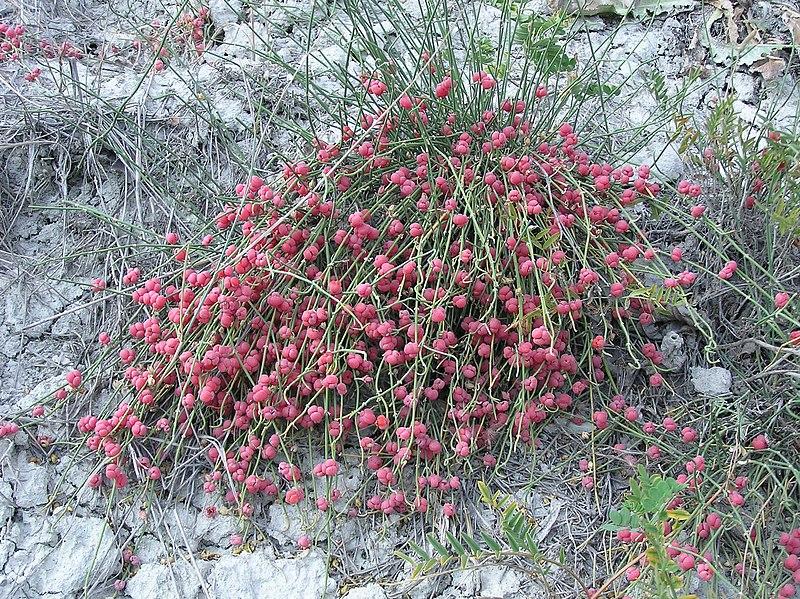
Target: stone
(746, 112)
(414, 9)
(257, 574)
(216, 531)
(6, 550)
(417, 588)
(150, 549)
(232, 113)
(467, 582)
(371, 591)
(288, 522)
(744, 86)
(668, 163)
(183, 522)
(672, 350)
(539, 7)
(30, 489)
(39, 392)
(486, 18)
(6, 503)
(718, 588)
(714, 381)
(499, 581)
(784, 95)
(285, 524)
(84, 552)
(180, 580)
(223, 12)
(324, 59)
(244, 43)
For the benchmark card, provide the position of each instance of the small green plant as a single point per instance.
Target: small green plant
(543, 40)
(514, 537)
(757, 160)
(779, 169)
(647, 509)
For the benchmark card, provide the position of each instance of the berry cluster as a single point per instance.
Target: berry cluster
(424, 290)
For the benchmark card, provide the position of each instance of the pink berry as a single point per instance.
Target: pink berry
(759, 443)
(74, 378)
(688, 434)
(781, 299)
(792, 563)
(600, 419)
(686, 562)
(736, 499)
(698, 211)
(294, 496)
(633, 573)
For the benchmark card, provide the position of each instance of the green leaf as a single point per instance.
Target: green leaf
(473, 544)
(491, 543)
(678, 514)
(440, 549)
(657, 84)
(454, 542)
(425, 567)
(624, 518)
(486, 495)
(543, 42)
(513, 541)
(589, 90)
(406, 558)
(532, 546)
(483, 51)
(661, 491)
(420, 551)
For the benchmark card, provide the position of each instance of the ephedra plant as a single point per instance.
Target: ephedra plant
(428, 289)
(454, 264)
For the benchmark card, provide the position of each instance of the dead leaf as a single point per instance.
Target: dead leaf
(637, 8)
(746, 53)
(792, 20)
(770, 69)
(726, 8)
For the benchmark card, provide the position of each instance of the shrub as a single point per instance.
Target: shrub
(463, 256)
(429, 288)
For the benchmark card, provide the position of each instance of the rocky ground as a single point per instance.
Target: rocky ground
(53, 547)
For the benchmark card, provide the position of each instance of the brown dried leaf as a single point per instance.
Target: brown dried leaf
(770, 69)
(726, 7)
(792, 20)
